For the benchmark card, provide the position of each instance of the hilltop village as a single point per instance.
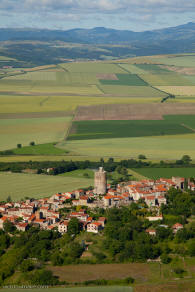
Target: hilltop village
(45, 213)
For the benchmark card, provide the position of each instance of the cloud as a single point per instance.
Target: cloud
(136, 14)
(94, 6)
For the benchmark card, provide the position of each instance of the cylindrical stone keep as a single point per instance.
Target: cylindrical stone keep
(100, 182)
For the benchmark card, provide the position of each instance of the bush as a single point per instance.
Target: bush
(141, 156)
(27, 266)
(43, 277)
(179, 271)
(165, 259)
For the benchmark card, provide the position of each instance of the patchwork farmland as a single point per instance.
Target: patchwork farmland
(137, 105)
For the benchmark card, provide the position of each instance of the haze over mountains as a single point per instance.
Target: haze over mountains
(102, 35)
(97, 43)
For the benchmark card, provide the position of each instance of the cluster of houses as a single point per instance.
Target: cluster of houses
(45, 212)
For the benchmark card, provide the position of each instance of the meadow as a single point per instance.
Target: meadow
(176, 60)
(19, 185)
(169, 147)
(40, 149)
(38, 130)
(155, 173)
(148, 276)
(166, 80)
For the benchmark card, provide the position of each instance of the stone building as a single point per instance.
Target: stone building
(100, 182)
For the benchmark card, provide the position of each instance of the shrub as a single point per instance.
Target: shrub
(165, 259)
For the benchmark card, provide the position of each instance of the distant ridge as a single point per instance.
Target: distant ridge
(100, 35)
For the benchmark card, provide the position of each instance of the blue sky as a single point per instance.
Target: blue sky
(137, 15)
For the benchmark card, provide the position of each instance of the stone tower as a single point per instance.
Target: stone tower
(100, 182)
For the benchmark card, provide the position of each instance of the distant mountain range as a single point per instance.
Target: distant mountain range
(43, 46)
(102, 35)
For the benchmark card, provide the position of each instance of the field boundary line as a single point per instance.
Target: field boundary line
(123, 68)
(44, 100)
(187, 127)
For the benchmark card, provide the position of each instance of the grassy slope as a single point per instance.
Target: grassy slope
(159, 147)
(42, 149)
(19, 185)
(150, 276)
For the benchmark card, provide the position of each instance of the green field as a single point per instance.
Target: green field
(171, 125)
(80, 173)
(39, 130)
(179, 60)
(19, 185)
(66, 86)
(166, 79)
(152, 69)
(125, 79)
(155, 173)
(169, 147)
(45, 86)
(133, 91)
(133, 69)
(41, 149)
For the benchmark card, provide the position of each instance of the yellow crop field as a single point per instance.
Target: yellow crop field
(40, 68)
(178, 90)
(93, 67)
(29, 104)
(38, 75)
(44, 86)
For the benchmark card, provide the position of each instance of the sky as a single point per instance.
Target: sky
(136, 15)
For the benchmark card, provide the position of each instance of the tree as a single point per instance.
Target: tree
(8, 226)
(165, 259)
(76, 250)
(9, 199)
(191, 247)
(43, 277)
(32, 143)
(186, 159)
(74, 226)
(141, 156)
(19, 145)
(26, 266)
(85, 174)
